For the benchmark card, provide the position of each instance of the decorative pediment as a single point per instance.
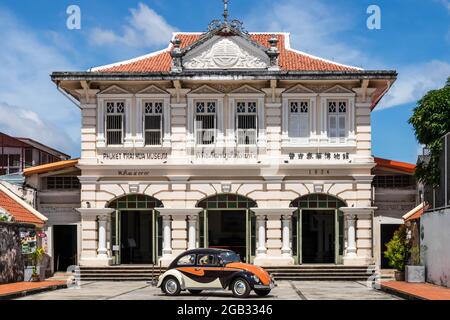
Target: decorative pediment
(114, 89)
(299, 89)
(232, 52)
(339, 89)
(205, 89)
(246, 89)
(152, 90)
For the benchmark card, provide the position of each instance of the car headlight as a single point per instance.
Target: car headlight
(255, 278)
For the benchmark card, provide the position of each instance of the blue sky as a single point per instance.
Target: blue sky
(414, 40)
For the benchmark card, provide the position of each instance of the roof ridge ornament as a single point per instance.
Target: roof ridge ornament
(225, 11)
(225, 25)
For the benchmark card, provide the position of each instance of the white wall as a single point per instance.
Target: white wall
(436, 237)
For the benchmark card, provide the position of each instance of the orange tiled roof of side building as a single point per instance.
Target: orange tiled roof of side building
(18, 210)
(289, 59)
(396, 165)
(50, 167)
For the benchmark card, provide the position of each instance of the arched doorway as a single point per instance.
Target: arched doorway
(136, 230)
(227, 222)
(318, 229)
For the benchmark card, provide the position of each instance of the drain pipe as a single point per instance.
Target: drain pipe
(69, 97)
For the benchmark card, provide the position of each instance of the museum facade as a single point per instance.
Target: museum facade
(226, 139)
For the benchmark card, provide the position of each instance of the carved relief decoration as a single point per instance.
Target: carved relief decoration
(225, 54)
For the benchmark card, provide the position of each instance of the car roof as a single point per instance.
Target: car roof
(197, 251)
(205, 250)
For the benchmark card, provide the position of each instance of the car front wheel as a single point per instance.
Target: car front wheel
(262, 292)
(240, 288)
(171, 286)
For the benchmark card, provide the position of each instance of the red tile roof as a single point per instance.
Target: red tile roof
(18, 210)
(289, 59)
(396, 165)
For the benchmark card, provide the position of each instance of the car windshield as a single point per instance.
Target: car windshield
(228, 257)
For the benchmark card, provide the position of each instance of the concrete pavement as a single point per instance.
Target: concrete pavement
(286, 290)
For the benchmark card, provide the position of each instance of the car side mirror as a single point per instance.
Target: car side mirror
(221, 264)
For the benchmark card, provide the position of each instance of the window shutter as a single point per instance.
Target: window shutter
(304, 125)
(332, 123)
(294, 125)
(341, 129)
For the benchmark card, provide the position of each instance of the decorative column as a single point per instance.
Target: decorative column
(167, 236)
(359, 242)
(273, 230)
(192, 232)
(286, 234)
(102, 251)
(178, 233)
(351, 235)
(261, 239)
(94, 248)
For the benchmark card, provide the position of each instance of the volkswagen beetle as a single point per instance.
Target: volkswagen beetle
(214, 269)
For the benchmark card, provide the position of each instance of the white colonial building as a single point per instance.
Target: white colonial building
(227, 139)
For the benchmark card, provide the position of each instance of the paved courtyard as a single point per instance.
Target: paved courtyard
(286, 290)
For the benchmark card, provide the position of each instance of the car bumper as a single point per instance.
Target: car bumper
(261, 286)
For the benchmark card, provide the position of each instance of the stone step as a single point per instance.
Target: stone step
(316, 270)
(123, 279)
(95, 274)
(320, 274)
(297, 273)
(321, 278)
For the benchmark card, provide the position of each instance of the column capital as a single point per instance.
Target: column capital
(93, 212)
(357, 210)
(193, 217)
(179, 211)
(273, 211)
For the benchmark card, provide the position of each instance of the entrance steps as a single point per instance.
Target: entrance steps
(320, 273)
(295, 273)
(121, 273)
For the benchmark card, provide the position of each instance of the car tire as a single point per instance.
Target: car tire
(195, 292)
(262, 292)
(240, 288)
(171, 286)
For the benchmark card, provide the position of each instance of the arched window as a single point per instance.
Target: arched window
(317, 201)
(135, 201)
(227, 201)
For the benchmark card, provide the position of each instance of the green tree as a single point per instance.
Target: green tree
(397, 249)
(431, 120)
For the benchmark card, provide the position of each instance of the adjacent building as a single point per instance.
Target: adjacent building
(16, 154)
(227, 139)
(57, 196)
(394, 193)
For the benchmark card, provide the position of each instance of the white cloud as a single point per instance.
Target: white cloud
(315, 27)
(318, 28)
(414, 81)
(16, 121)
(31, 105)
(446, 4)
(145, 28)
